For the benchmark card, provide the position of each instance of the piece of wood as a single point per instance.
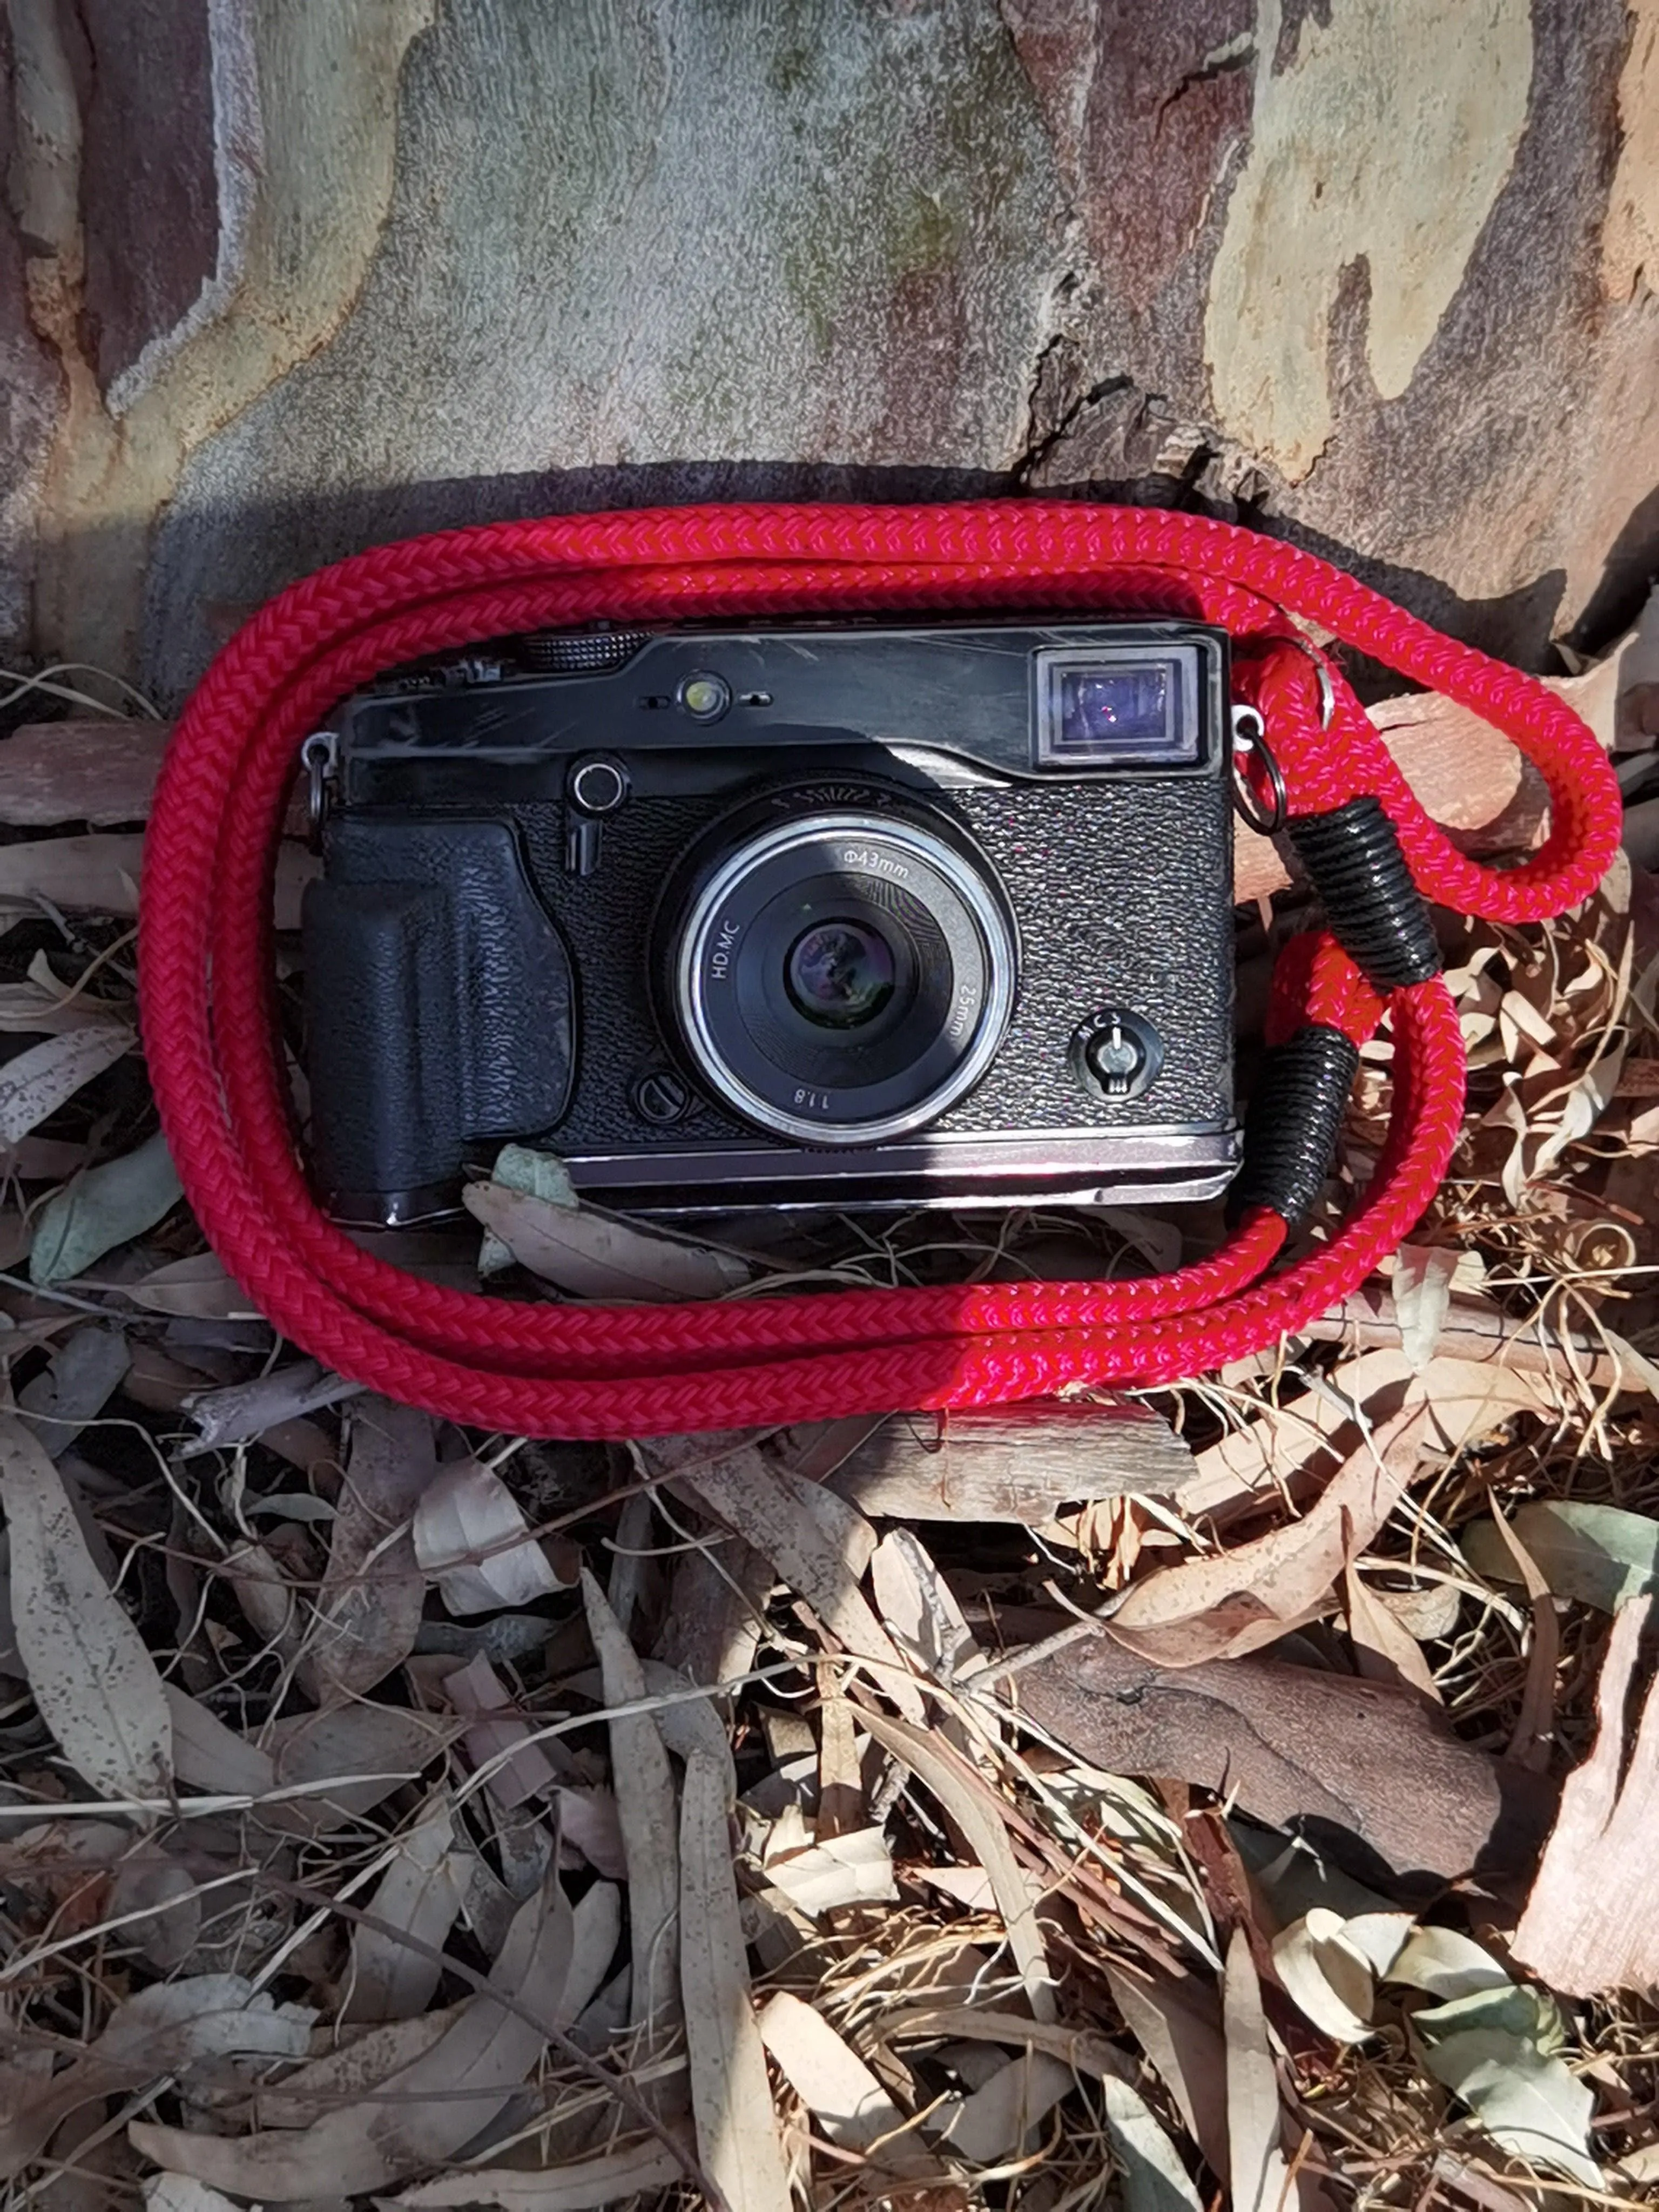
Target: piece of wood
(1016, 1463)
(1289, 1745)
(99, 772)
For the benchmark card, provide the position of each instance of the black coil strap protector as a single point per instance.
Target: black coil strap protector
(1291, 1124)
(1375, 911)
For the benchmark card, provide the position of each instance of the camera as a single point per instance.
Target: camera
(814, 915)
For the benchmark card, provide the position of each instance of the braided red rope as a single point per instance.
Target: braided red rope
(624, 1370)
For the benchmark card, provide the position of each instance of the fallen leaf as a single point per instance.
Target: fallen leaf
(96, 1684)
(498, 1735)
(1530, 2105)
(1444, 1964)
(209, 1757)
(1261, 2180)
(918, 1610)
(321, 2087)
(1585, 1928)
(368, 1609)
(152, 2034)
(419, 1895)
(361, 1752)
(844, 2097)
(972, 1806)
(644, 1784)
(1598, 1555)
(1326, 1976)
(1422, 1287)
(177, 2192)
(752, 1498)
(422, 2115)
(590, 2183)
(1177, 2023)
(850, 1869)
(1383, 1651)
(83, 1371)
(471, 1533)
(196, 1289)
(103, 1208)
(737, 2127)
(594, 1255)
(539, 1174)
(1294, 1745)
(992, 2125)
(1148, 2166)
(1233, 1601)
(41, 1079)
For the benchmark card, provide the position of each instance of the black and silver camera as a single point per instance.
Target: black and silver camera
(813, 914)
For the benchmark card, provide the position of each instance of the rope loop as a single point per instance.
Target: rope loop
(599, 1371)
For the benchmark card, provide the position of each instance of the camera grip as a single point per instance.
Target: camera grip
(441, 1009)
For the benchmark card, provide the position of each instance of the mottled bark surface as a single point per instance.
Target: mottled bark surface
(279, 279)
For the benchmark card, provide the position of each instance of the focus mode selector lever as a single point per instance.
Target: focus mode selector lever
(1116, 1054)
(594, 785)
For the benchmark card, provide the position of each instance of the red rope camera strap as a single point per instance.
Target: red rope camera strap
(206, 972)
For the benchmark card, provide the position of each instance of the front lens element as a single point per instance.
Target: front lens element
(837, 974)
(840, 974)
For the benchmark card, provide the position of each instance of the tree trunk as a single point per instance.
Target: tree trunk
(279, 279)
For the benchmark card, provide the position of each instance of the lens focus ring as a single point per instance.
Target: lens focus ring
(838, 974)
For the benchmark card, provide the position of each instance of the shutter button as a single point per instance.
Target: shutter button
(598, 785)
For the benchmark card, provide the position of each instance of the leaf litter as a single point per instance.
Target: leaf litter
(444, 1819)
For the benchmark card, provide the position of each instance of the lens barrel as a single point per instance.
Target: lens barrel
(837, 965)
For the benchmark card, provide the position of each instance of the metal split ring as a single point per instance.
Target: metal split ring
(1250, 736)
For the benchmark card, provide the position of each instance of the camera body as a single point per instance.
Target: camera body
(817, 915)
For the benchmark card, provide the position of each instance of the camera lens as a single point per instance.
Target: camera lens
(840, 972)
(838, 966)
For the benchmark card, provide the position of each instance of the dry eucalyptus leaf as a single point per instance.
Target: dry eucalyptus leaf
(96, 1684)
(348, 2074)
(85, 1369)
(196, 1289)
(1586, 1926)
(420, 1895)
(106, 1207)
(368, 1609)
(851, 1869)
(590, 2183)
(1324, 1975)
(422, 2115)
(211, 1757)
(1422, 1286)
(1598, 1555)
(975, 1809)
(848, 2103)
(362, 1754)
(177, 2192)
(471, 1533)
(644, 1784)
(993, 2124)
(594, 1256)
(1235, 1601)
(1261, 2180)
(752, 1498)
(738, 2141)
(243, 1412)
(1384, 1651)
(47, 1075)
(1148, 2166)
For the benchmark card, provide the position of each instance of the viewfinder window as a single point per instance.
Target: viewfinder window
(1107, 710)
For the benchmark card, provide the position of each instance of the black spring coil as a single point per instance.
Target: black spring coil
(1291, 1124)
(1375, 911)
